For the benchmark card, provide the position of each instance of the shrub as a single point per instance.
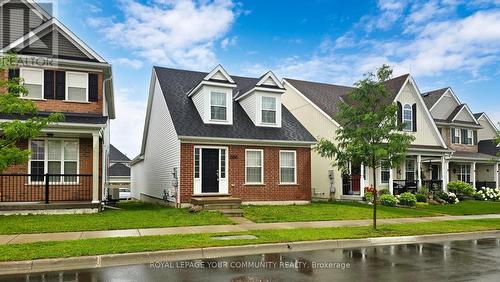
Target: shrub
(388, 200)
(448, 197)
(384, 192)
(461, 189)
(369, 196)
(421, 198)
(408, 199)
(488, 194)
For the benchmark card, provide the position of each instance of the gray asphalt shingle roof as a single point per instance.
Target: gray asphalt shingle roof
(431, 97)
(470, 155)
(327, 96)
(119, 170)
(68, 117)
(175, 85)
(116, 155)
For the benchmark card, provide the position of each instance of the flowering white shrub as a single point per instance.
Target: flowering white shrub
(488, 194)
(448, 197)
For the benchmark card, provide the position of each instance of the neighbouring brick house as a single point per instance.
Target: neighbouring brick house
(213, 134)
(62, 74)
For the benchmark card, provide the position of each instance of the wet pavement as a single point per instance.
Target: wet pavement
(448, 261)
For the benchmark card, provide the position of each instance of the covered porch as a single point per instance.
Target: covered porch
(64, 171)
(479, 170)
(424, 166)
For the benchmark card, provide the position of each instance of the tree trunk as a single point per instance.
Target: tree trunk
(374, 196)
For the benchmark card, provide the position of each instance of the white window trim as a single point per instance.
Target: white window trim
(21, 70)
(459, 132)
(210, 108)
(46, 159)
(86, 86)
(275, 110)
(261, 167)
(411, 119)
(464, 172)
(414, 164)
(470, 135)
(294, 168)
(382, 170)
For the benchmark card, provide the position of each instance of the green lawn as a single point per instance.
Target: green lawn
(133, 215)
(327, 211)
(168, 242)
(464, 208)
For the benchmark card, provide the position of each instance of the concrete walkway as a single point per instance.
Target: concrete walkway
(246, 226)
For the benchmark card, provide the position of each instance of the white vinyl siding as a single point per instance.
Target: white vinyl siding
(254, 166)
(77, 86)
(161, 153)
(33, 82)
(288, 167)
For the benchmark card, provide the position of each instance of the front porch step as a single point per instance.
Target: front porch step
(232, 212)
(355, 198)
(228, 205)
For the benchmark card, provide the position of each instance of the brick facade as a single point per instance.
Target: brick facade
(270, 191)
(16, 188)
(446, 133)
(49, 105)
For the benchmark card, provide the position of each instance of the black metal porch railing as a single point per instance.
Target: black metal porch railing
(401, 186)
(486, 184)
(45, 188)
(433, 185)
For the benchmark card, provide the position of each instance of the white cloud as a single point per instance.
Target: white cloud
(133, 63)
(228, 42)
(126, 129)
(171, 32)
(390, 12)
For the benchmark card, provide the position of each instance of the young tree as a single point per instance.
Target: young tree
(371, 133)
(13, 131)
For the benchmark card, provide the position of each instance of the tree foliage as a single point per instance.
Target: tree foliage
(370, 133)
(26, 123)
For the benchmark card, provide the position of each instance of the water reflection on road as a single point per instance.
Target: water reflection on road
(456, 261)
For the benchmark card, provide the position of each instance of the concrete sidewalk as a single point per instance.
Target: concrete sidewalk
(46, 237)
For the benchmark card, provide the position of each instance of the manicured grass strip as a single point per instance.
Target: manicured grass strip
(133, 215)
(327, 211)
(170, 242)
(464, 208)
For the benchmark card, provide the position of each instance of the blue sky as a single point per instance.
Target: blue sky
(441, 43)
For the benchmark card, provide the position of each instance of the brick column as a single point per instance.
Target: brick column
(95, 167)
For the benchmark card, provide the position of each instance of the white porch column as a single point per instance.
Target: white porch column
(473, 174)
(419, 171)
(95, 167)
(362, 181)
(496, 169)
(391, 181)
(444, 172)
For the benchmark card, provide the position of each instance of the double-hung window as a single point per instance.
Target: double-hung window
(77, 86)
(385, 173)
(410, 169)
(33, 82)
(254, 172)
(288, 167)
(218, 106)
(464, 173)
(269, 110)
(55, 157)
(455, 135)
(407, 118)
(470, 137)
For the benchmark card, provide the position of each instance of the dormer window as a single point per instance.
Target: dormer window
(269, 110)
(218, 106)
(407, 118)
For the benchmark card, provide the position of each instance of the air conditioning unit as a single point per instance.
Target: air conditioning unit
(114, 193)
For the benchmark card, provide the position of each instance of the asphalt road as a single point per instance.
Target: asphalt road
(447, 261)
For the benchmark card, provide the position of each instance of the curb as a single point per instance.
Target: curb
(87, 262)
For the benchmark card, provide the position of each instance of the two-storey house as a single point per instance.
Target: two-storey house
(62, 74)
(215, 134)
(315, 105)
(471, 137)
